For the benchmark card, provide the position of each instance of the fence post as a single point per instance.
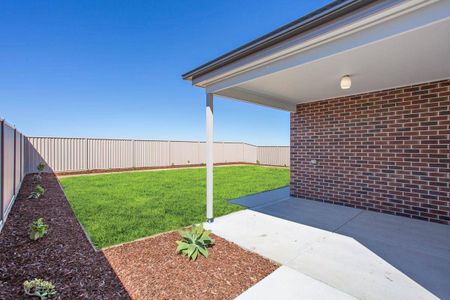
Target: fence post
(87, 153)
(134, 155)
(21, 157)
(198, 153)
(2, 167)
(223, 152)
(169, 152)
(14, 162)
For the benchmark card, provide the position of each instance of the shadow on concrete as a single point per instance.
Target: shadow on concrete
(419, 249)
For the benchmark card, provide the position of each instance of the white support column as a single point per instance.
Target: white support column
(209, 157)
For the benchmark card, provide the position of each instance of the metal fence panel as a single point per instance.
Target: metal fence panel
(17, 163)
(184, 153)
(250, 153)
(232, 152)
(110, 154)
(78, 154)
(151, 153)
(274, 155)
(8, 187)
(61, 154)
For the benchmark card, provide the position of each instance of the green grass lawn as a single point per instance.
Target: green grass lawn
(121, 207)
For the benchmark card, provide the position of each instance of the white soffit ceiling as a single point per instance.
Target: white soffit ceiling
(414, 56)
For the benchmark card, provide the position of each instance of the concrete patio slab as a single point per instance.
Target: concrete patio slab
(271, 237)
(345, 264)
(419, 249)
(425, 237)
(312, 213)
(262, 198)
(300, 286)
(364, 254)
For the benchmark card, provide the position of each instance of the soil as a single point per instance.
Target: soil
(65, 256)
(151, 269)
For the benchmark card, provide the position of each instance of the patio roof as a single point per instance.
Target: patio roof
(379, 44)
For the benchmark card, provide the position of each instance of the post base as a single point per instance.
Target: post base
(210, 220)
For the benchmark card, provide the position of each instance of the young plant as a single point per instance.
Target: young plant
(37, 178)
(38, 229)
(40, 167)
(39, 288)
(37, 192)
(194, 242)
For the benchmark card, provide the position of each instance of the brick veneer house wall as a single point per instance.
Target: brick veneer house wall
(385, 151)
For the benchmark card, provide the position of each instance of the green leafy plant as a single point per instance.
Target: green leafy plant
(37, 178)
(38, 229)
(40, 167)
(194, 242)
(39, 288)
(258, 162)
(37, 192)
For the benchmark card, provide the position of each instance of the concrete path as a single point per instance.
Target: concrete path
(357, 253)
(288, 284)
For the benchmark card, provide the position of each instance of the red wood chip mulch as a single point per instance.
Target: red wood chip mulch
(64, 257)
(150, 269)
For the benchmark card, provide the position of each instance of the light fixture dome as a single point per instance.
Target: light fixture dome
(346, 82)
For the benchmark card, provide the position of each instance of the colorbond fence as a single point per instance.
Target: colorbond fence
(274, 155)
(19, 155)
(84, 154)
(12, 167)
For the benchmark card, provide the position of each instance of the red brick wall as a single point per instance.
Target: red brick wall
(385, 151)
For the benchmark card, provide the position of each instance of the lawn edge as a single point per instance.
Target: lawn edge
(150, 169)
(79, 222)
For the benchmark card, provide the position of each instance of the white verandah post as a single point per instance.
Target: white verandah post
(209, 157)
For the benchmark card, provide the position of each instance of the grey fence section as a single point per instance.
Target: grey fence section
(12, 167)
(81, 154)
(274, 155)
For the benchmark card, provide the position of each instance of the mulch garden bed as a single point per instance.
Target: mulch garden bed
(65, 257)
(150, 269)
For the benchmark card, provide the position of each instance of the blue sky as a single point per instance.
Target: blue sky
(113, 68)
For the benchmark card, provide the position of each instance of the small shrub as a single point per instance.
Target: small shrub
(39, 288)
(194, 242)
(258, 162)
(39, 189)
(38, 229)
(37, 178)
(37, 192)
(40, 167)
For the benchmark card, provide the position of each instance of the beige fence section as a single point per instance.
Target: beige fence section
(81, 154)
(12, 165)
(20, 155)
(274, 155)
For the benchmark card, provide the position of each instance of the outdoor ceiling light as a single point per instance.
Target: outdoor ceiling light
(346, 82)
